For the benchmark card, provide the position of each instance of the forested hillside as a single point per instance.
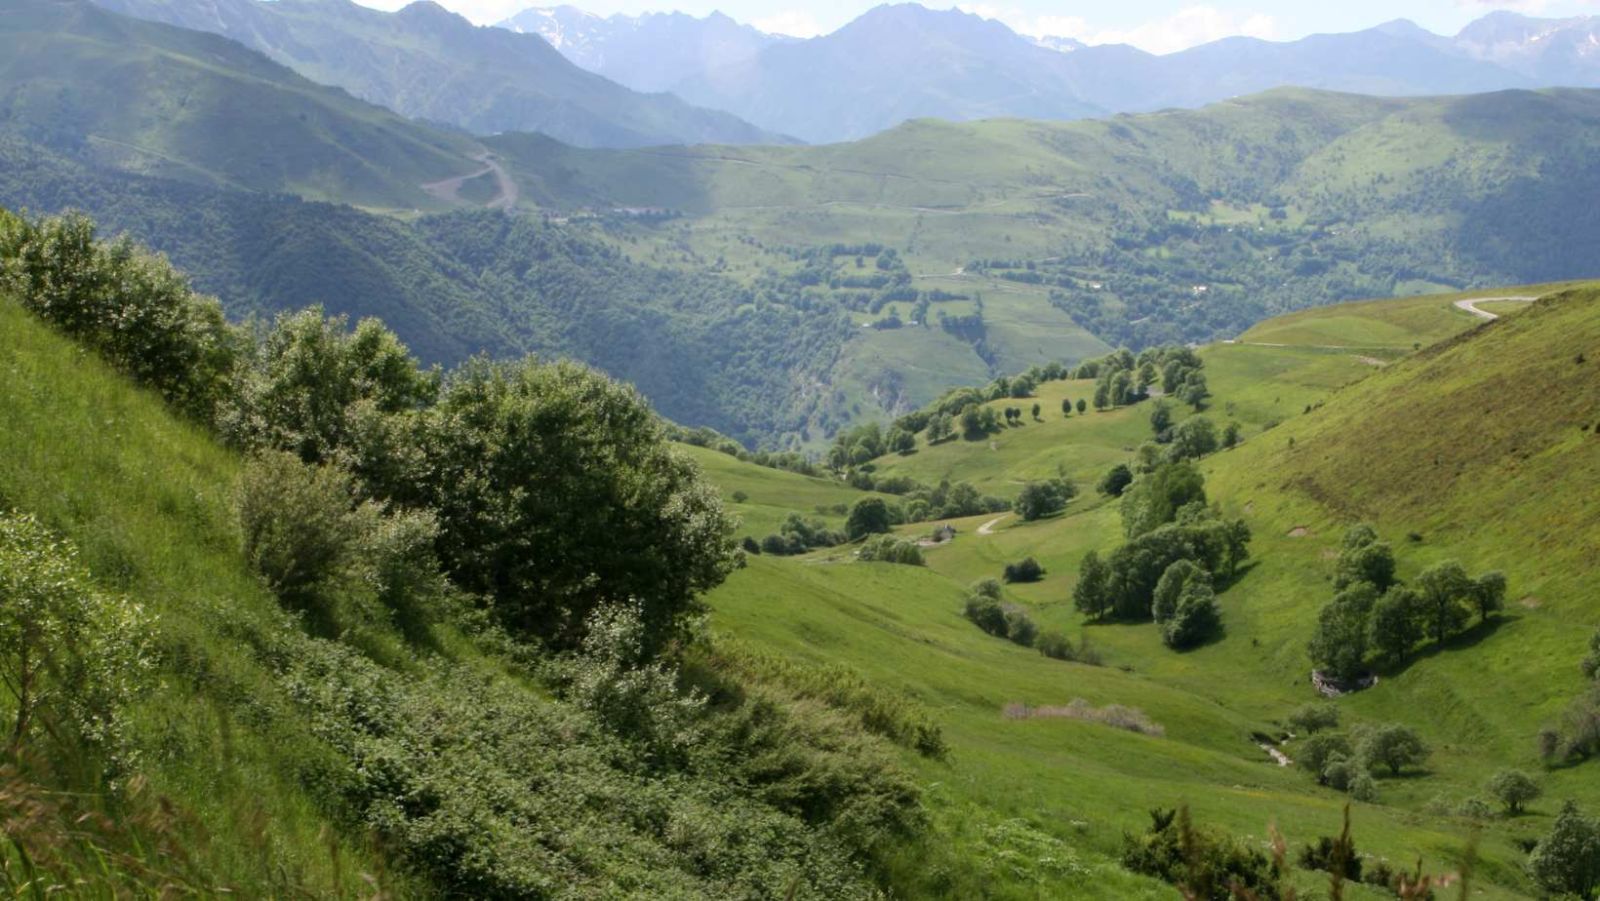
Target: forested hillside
(747, 360)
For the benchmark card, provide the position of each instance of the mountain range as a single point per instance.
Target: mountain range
(906, 61)
(428, 63)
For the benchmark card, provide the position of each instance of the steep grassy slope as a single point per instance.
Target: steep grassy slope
(404, 751)
(428, 63)
(1482, 445)
(770, 495)
(151, 98)
(148, 502)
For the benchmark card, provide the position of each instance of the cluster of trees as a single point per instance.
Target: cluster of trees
(541, 508)
(796, 535)
(988, 612)
(889, 549)
(961, 411)
(1347, 760)
(1122, 378)
(1178, 548)
(864, 443)
(1045, 498)
(1374, 614)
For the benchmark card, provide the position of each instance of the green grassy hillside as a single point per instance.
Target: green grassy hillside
(148, 502)
(770, 495)
(1480, 446)
(1269, 203)
(154, 99)
(272, 749)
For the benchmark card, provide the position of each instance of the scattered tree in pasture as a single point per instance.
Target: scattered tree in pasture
(1338, 647)
(1514, 789)
(1317, 751)
(1315, 717)
(1394, 745)
(1371, 563)
(1082, 405)
(1155, 500)
(545, 475)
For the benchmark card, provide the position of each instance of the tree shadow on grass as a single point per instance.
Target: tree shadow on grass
(1461, 641)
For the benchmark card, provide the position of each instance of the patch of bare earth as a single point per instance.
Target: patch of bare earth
(1114, 715)
(1530, 602)
(1299, 532)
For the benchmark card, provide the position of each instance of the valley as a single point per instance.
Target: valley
(1329, 440)
(649, 456)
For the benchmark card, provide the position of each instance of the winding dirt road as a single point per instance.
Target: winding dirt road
(507, 194)
(988, 527)
(1471, 305)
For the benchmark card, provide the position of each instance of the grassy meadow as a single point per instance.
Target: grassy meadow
(1457, 445)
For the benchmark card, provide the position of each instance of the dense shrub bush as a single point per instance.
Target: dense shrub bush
(1040, 499)
(1025, 570)
(889, 549)
(557, 495)
(1208, 866)
(71, 657)
(129, 305)
(312, 386)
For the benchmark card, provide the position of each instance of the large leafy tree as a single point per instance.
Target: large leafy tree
(1445, 589)
(1339, 644)
(557, 495)
(1567, 860)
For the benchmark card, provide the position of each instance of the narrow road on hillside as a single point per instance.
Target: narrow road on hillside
(1471, 305)
(506, 195)
(988, 527)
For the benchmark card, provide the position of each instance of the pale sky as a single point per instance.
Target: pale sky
(1160, 26)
